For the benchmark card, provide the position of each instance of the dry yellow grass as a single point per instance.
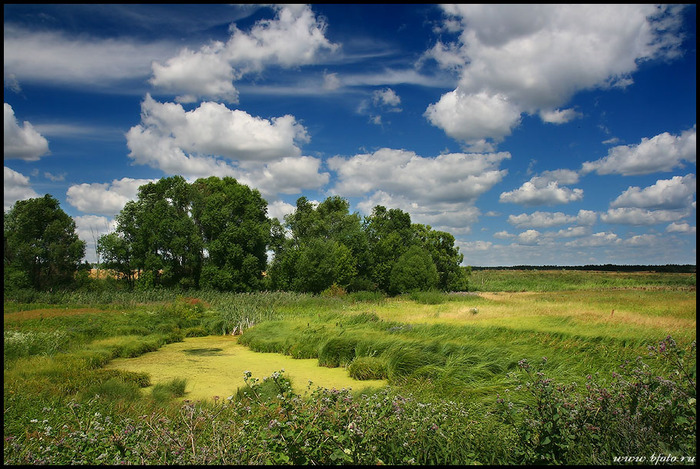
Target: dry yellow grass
(615, 313)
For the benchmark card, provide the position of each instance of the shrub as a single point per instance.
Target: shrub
(414, 270)
(637, 413)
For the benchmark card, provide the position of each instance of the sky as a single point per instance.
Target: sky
(534, 134)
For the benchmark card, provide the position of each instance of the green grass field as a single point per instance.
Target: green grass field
(88, 378)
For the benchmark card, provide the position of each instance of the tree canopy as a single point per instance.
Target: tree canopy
(42, 249)
(212, 233)
(215, 233)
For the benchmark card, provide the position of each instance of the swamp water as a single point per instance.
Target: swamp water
(214, 366)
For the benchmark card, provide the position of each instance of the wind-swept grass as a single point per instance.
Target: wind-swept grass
(453, 366)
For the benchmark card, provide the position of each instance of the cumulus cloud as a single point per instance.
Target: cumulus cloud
(213, 129)
(663, 152)
(640, 216)
(294, 37)
(22, 142)
(263, 153)
(195, 74)
(386, 97)
(278, 209)
(516, 59)
(474, 118)
(595, 240)
(541, 191)
(16, 187)
(455, 218)
(439, 191)
(289, 175)
(447, 178)
(675, 193)
(105, 198)
(529, 237)
(549, 219)
(683, 228)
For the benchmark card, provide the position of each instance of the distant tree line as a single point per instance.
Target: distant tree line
(215, 233)
(667, 268)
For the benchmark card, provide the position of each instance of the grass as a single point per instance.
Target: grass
(108, 377)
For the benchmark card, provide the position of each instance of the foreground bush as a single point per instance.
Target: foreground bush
(638, 414)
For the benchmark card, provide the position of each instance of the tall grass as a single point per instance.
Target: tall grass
(452, 363)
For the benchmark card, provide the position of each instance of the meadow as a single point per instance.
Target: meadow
(528, 367)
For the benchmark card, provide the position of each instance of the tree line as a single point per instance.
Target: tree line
(215, 233)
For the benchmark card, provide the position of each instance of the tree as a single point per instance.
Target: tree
(117, 255)
(212, 233)
(41, 246)
(164, 242)
(326, 245)
(235, 233)
(413, 271)
(445, 255)
(389, 235)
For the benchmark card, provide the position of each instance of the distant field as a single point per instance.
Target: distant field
(557, 280)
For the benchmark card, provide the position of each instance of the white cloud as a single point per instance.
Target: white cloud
(294, 37)
(517, 59)
(22, 142)
(331, 82)
(549, 219)
(290, 175)
(675, 193)
(595, 240)
(558, 116)
(203, 73)
(278, 209)
(529, 237)
(105, 198)
(663, 152)
(539, 191)
(642, 240)
(683, 228)
(640, 216)
(503, 235)
(16, 187)
(261, 153)
(571, 232)
(474, 118)
(386, 97)
(77, 61)
(448, 178)
(214, 130)
(456, 218)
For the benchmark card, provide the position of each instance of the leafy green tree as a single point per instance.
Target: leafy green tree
(212, 233)
(235, 232)
(164, 241)
(116, 255)
(389, 235)
(413, 271)
(326, 245)
(41, 247)
(445, 255)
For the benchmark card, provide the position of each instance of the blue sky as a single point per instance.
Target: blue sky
(535, 134)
